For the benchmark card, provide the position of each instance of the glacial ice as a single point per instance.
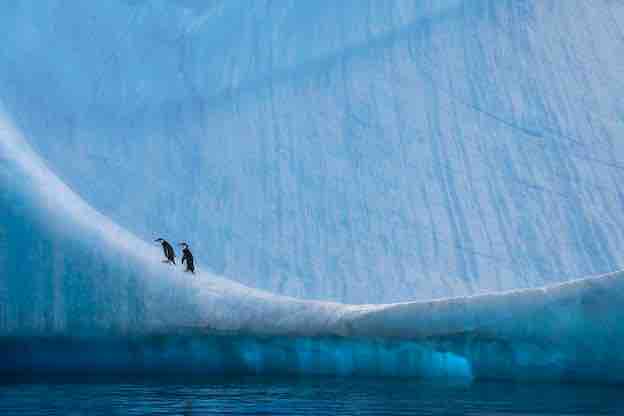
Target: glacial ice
(358, 150)
(80, 293)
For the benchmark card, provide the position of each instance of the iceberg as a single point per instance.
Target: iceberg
(398, 188)
(80, 293)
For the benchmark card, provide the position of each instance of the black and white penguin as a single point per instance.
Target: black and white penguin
(188, 257)
(168, 250)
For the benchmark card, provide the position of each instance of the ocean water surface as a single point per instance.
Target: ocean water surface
(80, 395)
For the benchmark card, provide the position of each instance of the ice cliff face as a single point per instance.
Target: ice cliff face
(362, 151)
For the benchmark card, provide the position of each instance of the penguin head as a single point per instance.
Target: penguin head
(183, 245)
(159, 240)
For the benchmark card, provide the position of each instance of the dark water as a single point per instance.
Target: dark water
(294, 396)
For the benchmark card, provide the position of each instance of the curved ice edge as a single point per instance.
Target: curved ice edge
(571, 331)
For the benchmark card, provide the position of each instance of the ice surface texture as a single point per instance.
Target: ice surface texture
(359, 151)
(78, 292)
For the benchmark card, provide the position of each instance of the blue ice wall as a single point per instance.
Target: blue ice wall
(362, 151)
(230, 354)
(460, 358)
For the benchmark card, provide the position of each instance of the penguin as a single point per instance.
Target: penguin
(188, 257)
(168, 250)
